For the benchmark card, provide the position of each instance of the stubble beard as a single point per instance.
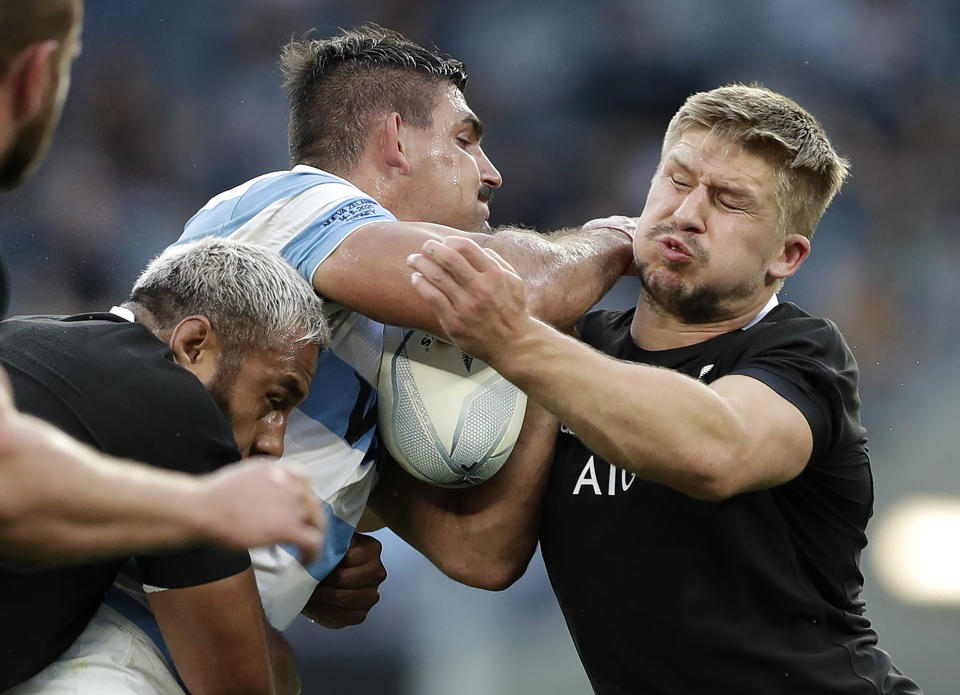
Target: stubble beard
(668, 293)
(224, 382)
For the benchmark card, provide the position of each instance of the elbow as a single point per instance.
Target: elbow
(712, 477)
(710, 490)
(490, 574)
(504, 576)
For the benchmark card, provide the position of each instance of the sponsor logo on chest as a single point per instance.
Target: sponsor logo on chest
(607, 482)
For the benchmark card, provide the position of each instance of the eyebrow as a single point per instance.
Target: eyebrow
(744, 194)
(474, 123)
(294, 388)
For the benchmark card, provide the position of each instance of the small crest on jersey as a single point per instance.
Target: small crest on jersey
(467, 361)
(704, 370)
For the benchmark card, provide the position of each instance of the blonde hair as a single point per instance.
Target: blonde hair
(809, 171)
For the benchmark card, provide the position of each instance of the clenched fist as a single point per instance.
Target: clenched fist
(348, 593)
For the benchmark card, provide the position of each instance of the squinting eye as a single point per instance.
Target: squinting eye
(463, 142)
(273, 405)
(678, 182)
(729, 206)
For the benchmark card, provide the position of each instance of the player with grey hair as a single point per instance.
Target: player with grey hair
(200, 367)
(251, 296)
(710, 489)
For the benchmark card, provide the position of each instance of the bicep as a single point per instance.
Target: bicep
(368, 273)
(777, 441)
(216, 634)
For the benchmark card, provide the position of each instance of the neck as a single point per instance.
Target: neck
(143, 315)
(364, 176)
(655, 329)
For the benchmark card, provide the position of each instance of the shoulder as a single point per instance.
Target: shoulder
(171, 419)
(303, 214)
(805, 360)
(281, 204)
(789, 328)
(123, 385)
(599, 327)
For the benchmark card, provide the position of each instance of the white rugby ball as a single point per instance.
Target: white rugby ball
(447, 418)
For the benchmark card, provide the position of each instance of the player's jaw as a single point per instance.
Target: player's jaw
(674, 273)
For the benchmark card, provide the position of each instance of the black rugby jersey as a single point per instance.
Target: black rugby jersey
(111, 384)
(756, 594)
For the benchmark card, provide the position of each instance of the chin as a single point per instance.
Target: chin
(483, 228)
(471, 224)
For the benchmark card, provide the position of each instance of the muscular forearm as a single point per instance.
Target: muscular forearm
(82, 503)
(565, 272)
(658, 423)
(482, 536)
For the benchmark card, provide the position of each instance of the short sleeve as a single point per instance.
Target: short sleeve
(192, 567)
(302, 214)
(308, 249)
(807, 362)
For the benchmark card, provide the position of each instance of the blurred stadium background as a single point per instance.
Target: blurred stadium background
(175, 102)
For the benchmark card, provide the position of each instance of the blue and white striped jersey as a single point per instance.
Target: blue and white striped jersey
(304, 214)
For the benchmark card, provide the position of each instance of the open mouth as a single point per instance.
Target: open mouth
(675, 250)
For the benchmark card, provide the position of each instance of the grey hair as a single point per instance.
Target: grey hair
(252, 297)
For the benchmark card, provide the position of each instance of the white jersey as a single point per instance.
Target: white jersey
(304, 214)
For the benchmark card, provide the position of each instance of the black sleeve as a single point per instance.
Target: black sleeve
(807, 362)
(116, 386)
(191, 567)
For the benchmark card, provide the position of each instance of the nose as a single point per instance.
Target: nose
(690, 214)
(268, 440)
(489, 175)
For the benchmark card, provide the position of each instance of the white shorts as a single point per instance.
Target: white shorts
(112, 656)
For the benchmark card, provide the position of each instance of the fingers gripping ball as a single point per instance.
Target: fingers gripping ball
(445, 417)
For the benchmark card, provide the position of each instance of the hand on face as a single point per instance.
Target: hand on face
(260, 503)
(347, 594)
(627, 226)
(479, 298)
(620, 223)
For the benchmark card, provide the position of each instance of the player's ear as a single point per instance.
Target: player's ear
(195, 346)
(392, 151)
(32, 77)
(796, 248)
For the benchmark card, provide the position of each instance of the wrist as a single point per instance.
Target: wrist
(200, 509)
(517, 359)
